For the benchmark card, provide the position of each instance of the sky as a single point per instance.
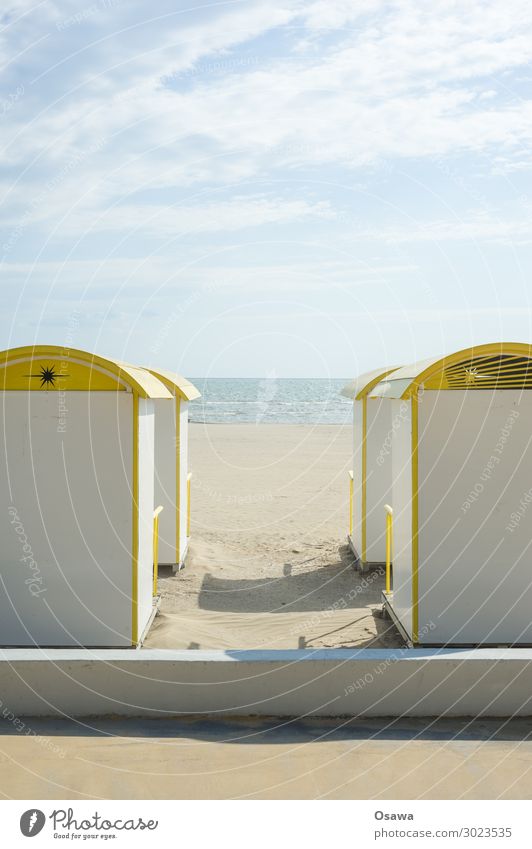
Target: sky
(307, 188)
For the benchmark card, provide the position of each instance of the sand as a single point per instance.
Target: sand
(268, 565)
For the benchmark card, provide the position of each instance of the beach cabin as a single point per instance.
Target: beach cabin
(172, 478)
(371, 477)
(76, 498)
(462, 463)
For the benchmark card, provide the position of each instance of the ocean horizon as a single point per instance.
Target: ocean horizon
(270, 400)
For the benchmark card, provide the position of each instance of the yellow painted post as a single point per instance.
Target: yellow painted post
(389, 547)
(415, 518)
(156, 548)
(364, 476)
(351, 503)
(189, 478)
(135, 527)
(178, 499)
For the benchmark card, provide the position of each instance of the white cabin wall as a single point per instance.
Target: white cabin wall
(146, 506)
(183, 473)
(357, 477)
(379, 444)
(66, 491)
(475, 580)
(401, 502)
(165, 477)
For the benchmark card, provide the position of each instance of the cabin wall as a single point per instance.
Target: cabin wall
(146, 502)
(357, 477)
(401, 501)
(379, 441)
(475, 456)
(66, 469)
(183, 473)
(165, 477)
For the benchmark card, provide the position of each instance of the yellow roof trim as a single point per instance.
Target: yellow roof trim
(404, 382)
(362, 385)
(138, 380)
(176, 383)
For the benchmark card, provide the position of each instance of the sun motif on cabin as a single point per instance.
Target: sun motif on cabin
(471, 375)
(47, 375)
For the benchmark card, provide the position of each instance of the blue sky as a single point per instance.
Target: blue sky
(298, 188)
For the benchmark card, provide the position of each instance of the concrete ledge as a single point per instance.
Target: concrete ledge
(367, 682)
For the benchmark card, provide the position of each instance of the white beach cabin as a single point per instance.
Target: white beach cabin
(461, 474)
(371, 477)
(172, 478)
(76, 498)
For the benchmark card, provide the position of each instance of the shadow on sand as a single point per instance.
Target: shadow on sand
(337, 587)
(271, 730)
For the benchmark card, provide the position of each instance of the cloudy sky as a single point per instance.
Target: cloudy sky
(289, 187)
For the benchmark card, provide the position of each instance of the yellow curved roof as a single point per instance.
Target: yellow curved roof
(176, 383)
(364, 383)
(497, 365)
(138, 380)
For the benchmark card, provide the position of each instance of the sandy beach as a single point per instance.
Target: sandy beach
(268, 566)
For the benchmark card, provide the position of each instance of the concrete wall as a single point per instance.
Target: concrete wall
(475, 459)
(65, 518)
(367, 682)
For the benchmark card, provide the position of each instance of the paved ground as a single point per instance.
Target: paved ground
(200, 758)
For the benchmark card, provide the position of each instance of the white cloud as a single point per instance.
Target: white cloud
(161, 278)
(238, 213)
(383, 81)
(335, 14)
(469, 227)
(397, 85)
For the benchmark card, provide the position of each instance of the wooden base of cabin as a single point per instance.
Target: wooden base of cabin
(354, 552)
(363, 565)
(154, 611)
(389, 613)
(176, 567)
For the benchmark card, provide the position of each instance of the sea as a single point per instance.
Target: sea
(271, 400)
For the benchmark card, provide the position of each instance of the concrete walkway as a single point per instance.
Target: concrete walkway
(267, 759)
